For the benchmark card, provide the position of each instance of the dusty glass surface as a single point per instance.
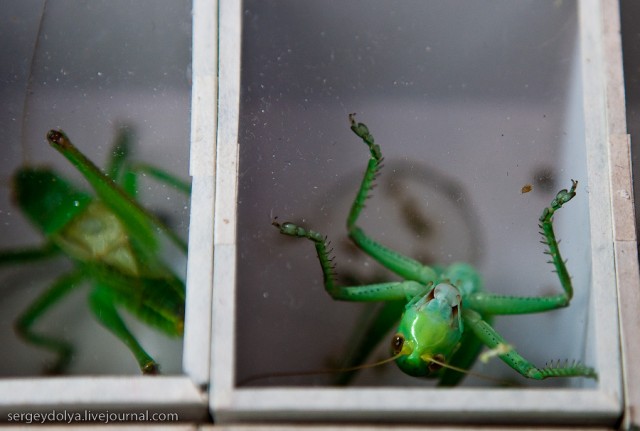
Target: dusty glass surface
(470, 103)
(630, 33)
(90, 68)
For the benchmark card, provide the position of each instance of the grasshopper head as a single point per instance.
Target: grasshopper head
(47, 199)
(430, 329)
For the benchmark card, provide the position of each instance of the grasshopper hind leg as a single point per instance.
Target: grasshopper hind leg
(38, 308)
(102, 304)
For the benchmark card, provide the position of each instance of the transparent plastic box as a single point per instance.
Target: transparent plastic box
(479, 99)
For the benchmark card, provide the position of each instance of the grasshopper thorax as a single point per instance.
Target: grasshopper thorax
(429, 329)
(47, 199)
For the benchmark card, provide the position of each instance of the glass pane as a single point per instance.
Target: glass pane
(477, 109)
(96, 70)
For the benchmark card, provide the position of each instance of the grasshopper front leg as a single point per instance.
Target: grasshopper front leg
(491, 304)
(125, 173)
(372, 292)
(402, 265)
(487, 303)
(417, 275)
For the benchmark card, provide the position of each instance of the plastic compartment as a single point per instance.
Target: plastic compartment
(469, 104)
(90, 67)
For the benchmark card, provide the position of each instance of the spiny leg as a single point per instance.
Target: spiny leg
(370, 175)
(492, 339)
(546, 224)
(401, 265)
(102, 305)
(37, 309)
(396, 293)
(372, 292)
(487, 303)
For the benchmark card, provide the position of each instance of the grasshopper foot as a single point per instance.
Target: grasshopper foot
(288, 228)
(151, 368)
(564, 196)
(561, 198)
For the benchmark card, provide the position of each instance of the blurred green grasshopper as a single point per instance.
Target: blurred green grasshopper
(111, 239)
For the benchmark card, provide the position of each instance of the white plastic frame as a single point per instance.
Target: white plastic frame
(184, 395)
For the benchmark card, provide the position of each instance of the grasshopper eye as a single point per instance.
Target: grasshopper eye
(397, 342)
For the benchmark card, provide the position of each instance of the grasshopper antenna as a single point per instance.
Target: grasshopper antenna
(255, 377)
(29, 86)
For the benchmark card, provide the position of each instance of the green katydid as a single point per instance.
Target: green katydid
(447, 315)
(112, 241)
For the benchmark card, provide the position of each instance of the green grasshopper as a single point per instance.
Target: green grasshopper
(447, 315)
(112, 241)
